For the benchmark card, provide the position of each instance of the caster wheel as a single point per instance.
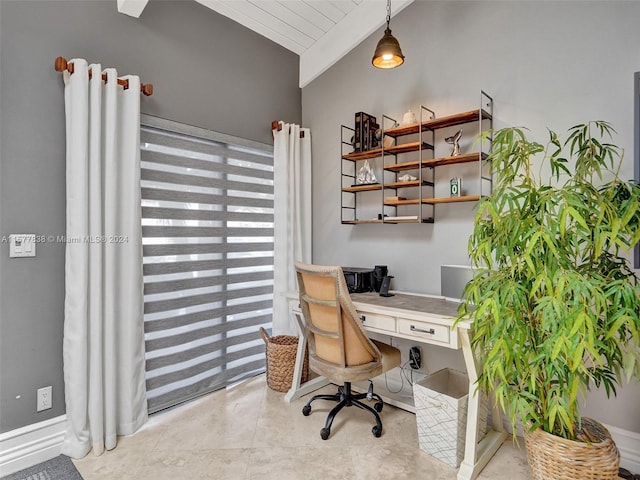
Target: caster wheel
(378, 406)
(324, 433)
(306, 410)
(377, 431)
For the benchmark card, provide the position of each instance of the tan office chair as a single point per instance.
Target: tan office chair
(339, 348)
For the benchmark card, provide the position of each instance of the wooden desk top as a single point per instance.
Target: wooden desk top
(409, 302)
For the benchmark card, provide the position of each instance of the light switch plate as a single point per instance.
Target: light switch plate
(22, 245)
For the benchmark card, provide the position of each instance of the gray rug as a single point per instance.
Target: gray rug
(58, 468)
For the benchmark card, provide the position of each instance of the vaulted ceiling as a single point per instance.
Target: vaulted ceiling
(319, 31)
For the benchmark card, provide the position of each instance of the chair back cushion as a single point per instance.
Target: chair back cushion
(335, 333)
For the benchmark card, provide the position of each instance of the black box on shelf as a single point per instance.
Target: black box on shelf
(373, 140)
(365, 127)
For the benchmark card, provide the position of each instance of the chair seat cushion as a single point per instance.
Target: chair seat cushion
(390, 358)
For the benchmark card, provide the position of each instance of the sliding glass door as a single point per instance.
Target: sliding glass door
(207, 213)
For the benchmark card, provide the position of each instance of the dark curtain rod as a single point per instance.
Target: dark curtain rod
(61, 65)
(275, 125)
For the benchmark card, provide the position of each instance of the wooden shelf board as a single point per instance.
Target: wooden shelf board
(433, 201)
(448, 121)
(378, 186)
(363, 188)
(395, 150)
(411, 183)
(436, 162)
(409, 201)
(356, 222)
(408, 219)
(464, 198)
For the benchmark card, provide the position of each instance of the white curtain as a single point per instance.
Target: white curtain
(103, 346)
(292, 216)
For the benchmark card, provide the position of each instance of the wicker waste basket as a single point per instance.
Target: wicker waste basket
(281, 353)
(594, 456)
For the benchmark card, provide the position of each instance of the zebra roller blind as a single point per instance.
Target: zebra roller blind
(207, 227)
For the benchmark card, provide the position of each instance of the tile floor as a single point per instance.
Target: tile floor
(249, 432)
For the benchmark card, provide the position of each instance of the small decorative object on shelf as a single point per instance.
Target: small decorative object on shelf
(407, 178)
(455, 141)
(456, 187)
(366, 175)
(388, 141)
(409, 117)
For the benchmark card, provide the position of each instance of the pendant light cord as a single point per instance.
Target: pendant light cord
(388, 15)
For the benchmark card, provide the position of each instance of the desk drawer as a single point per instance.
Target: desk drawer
(379, 322)
(427, 331)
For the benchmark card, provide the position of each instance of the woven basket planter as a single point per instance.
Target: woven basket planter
(556, 458)
(281, 353)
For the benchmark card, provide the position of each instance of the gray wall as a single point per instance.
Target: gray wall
(545, 63)
(175, 46)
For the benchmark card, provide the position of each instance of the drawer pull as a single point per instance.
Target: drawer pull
(436, 404)
(363, 318)
(431, 331)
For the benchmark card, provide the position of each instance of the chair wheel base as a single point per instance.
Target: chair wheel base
(345, 398)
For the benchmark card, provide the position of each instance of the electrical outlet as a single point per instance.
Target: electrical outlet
(44, 398)
(415, 358)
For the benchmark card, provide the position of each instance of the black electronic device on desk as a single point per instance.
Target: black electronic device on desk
(358, 279)
(384, 288)
(361, 280)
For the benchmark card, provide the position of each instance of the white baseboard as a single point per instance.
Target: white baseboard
(27, 446)
(628, 444)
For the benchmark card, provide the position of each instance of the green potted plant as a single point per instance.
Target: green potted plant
(555, 305)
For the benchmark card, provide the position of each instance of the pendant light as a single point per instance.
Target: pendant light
(388, 53)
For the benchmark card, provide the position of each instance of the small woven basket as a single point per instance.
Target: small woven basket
(281, 360)
(555, 458)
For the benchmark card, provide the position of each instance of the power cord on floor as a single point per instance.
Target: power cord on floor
(403, 375)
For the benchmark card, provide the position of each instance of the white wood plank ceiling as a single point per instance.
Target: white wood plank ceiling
(319, 31)
(296, 25)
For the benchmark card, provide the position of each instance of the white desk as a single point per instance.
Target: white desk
(425, 319)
